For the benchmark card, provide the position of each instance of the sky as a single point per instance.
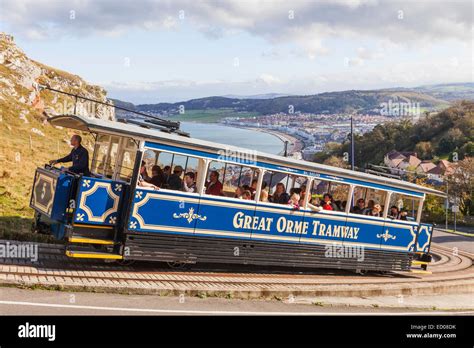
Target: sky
(145, 51)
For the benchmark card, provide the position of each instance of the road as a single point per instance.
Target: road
(452, 240)
(43, 302)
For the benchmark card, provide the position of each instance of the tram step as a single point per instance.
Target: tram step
(92, 255)
(416, 262)
(420, 271)
(86, 240)
(92, 232)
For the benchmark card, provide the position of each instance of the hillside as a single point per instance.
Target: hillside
(435, 137)
(449, 91)
(330, 103)
(28, 140)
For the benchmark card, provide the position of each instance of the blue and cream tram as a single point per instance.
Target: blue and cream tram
(110, 215)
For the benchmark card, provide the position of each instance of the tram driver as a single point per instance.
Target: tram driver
(79, 157)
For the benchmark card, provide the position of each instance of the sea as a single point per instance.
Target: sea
(246, 138)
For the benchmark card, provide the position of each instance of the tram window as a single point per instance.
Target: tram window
(105, 153)
(127, 159)
(403, 207)
(339, 193)
(368, 201)
(150, 158)
(174, 167)
(214, 177)
(281, 186)
(234, 178)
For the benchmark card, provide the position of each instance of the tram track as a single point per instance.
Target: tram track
(452, 271)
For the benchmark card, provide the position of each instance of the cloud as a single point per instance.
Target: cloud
(306, 23)
(353, 76)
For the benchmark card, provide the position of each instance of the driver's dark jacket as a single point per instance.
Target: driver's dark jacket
(80, 160)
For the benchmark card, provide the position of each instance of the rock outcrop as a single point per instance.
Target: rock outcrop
(21, 78)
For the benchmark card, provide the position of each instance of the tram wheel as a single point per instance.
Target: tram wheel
(177, 264)
(361, 271)
(125, 262)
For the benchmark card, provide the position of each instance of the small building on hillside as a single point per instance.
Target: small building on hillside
(402, 162)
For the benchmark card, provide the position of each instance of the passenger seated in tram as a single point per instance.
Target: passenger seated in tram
(144, 172)
(253, 186)
(370, 205)
(157, 177)
(328, 203)
(294, 201)
(79, 157)
(395, 213)
(375, 211)
(238, 192)
(280, 196)
(214, 186)
(360, 207)
(189, 183)
(313, 204)
(142, 183)
(175, 182)
(264, 195)
(247, 195)
(166, 175)
(302, 194)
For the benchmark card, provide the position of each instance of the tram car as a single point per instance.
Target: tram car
(110, 215)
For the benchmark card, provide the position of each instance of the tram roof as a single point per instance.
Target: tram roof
(96, 125)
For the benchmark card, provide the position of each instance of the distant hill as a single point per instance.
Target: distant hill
(330, 103)
(449, 91)
(258, 96)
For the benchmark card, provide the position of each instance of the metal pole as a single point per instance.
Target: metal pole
(447, 204)
(454, 221)
(352, 143)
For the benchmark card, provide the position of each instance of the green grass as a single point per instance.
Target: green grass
(210, 115)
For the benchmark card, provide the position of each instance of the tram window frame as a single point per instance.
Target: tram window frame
(368, 192)
(329, 184)
(222, 168)
(289, 180)
(126, 145)
(108, 141)
(414, 218)
(155, 160)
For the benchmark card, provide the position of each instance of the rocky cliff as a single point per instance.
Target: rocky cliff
(20, 78)
(27, 139)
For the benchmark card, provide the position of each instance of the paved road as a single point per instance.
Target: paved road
(452, 240)
(41, 302)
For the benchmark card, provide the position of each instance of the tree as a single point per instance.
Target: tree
(336, 162)
(424, 149)
(461, 185)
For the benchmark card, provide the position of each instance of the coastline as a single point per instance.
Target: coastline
(294, 144)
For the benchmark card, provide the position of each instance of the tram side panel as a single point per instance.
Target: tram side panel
(161, 225)
(50, 198)
(98, 202)
(223, 230)
(276, 230)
